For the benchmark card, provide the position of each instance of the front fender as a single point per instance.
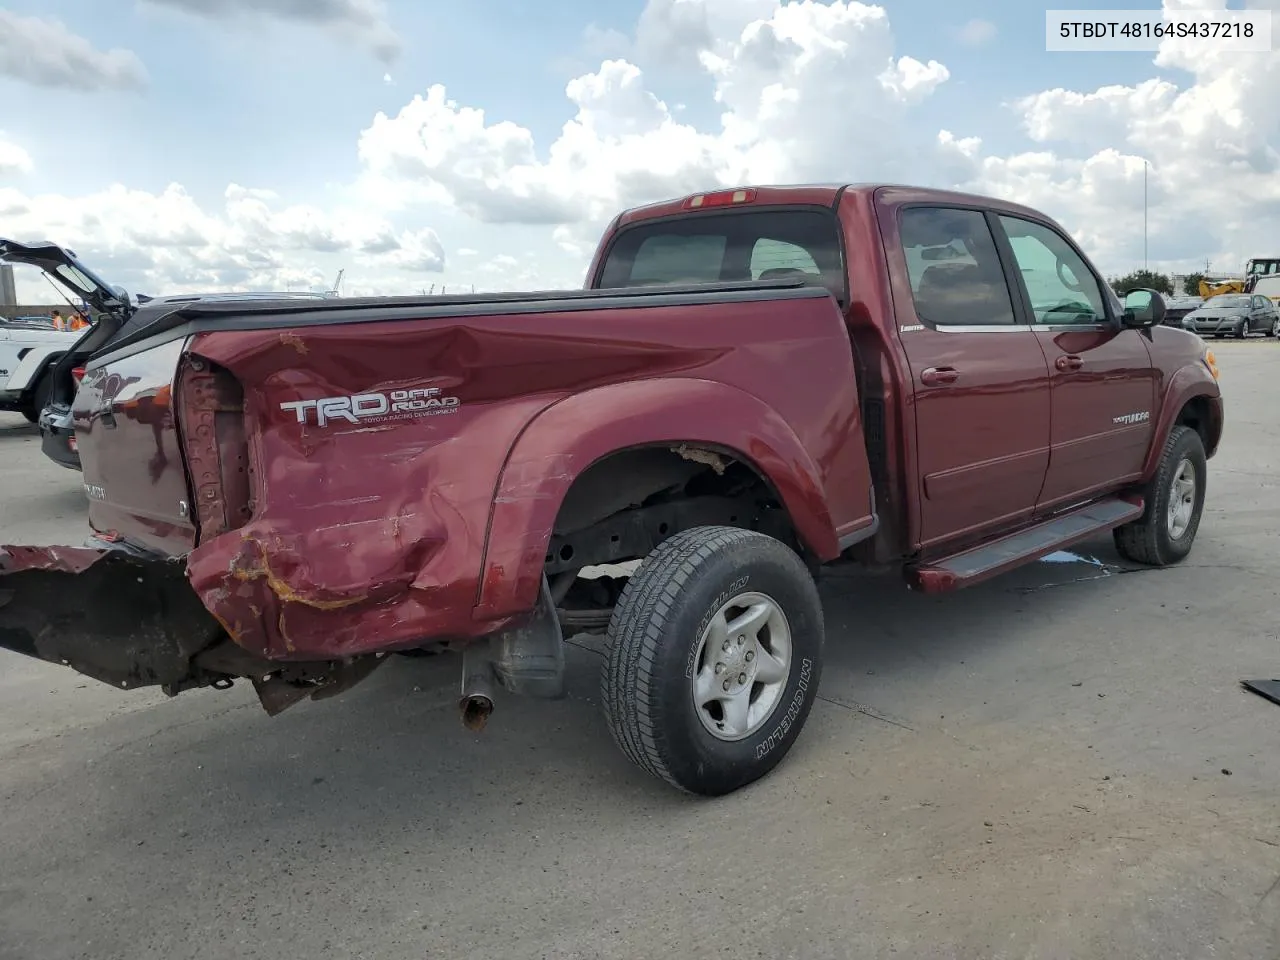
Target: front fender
(567, 438)
(1187, 383)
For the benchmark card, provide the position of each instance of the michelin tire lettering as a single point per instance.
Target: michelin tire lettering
(797, 702)
(361, 408)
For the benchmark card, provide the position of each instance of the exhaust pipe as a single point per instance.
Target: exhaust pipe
(476, 702)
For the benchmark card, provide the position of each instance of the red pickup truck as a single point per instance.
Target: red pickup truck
(755, 384)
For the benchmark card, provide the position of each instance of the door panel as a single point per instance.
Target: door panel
(1103, 413)
(981, 385)
(1102, 380)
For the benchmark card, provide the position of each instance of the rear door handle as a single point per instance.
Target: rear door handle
(939, 376)
(1068, 363)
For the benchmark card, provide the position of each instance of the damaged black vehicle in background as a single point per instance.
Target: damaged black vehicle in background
(113, 308)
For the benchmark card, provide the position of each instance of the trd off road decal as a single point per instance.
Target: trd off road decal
(373, 407)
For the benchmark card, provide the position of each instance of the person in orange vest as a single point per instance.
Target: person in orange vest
(58, 322)
(79, 321)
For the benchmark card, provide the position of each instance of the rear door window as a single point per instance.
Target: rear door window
(777, 258)
(762, 244)
(954, 267)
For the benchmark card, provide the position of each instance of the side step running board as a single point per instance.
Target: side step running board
(991, 559)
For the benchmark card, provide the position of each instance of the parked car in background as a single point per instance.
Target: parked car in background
(1234, 314)
(1177, 308)
(57, 428)
(28, 350)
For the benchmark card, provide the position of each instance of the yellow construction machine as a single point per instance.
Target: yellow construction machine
(1261, 275)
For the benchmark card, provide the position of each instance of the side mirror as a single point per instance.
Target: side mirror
(1142, 308)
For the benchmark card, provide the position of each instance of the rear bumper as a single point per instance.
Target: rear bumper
(131, 619)
(58, 437)
(110, 612)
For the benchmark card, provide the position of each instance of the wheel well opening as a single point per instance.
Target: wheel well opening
(621, 507)
(1195, 414)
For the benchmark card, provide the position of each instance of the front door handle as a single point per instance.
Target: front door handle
(1068, 363)
(939, 376)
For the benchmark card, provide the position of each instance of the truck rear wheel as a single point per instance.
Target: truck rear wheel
(714, 654)
(1175, 500)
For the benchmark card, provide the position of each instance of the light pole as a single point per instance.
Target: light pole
(1144, 215)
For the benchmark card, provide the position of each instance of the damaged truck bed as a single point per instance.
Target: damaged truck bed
(755, 383)
(307, 488)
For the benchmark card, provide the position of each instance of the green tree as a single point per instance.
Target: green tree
(1147, 279)
(1191, 283)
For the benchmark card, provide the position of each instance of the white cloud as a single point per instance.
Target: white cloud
(365, 20)
(805, 91)
(13, 159)
(799, 85)
(1213, 174)
(977, 32)
(168, 243)
(44, 53)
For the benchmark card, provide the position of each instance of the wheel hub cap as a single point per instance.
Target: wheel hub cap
(1182, 499)
(742, 664)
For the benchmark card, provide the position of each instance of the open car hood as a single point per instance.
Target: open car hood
(62, 266)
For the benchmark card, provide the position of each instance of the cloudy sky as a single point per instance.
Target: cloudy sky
(182, 145)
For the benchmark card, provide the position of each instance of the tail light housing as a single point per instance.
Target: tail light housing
(78, 374)
(724, 198)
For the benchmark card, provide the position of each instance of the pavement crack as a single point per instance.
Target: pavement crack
(871, 712)
(1275, 884)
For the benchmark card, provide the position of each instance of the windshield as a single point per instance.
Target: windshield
(1233, 303)
(1264, 267)
(727, 247)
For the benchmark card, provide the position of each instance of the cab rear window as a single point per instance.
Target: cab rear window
(728, 247)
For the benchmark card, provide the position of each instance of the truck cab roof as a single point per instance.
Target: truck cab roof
(811, 194)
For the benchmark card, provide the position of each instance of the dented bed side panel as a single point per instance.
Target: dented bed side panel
(368, 535)
(348, 478)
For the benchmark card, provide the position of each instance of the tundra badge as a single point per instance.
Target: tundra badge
(1129, 418)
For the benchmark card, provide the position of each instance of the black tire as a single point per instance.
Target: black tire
(1149, 540)
(654, 635)
(1243, 332)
